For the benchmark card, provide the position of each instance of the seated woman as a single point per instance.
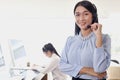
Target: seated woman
(51, 52)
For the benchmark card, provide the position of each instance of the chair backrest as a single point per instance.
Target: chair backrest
(114, 73)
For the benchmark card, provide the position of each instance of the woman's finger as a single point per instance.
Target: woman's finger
(94, 26)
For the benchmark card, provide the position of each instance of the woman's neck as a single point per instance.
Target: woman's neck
(85, 32)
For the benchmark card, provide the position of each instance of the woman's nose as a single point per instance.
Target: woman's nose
(81, 17)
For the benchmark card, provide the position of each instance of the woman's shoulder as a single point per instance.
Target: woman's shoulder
(72, 38)
(55, 57)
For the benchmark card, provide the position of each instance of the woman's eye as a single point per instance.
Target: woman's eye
(86, 14)
(77, 14)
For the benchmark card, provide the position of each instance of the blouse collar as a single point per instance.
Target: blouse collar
(87, 37)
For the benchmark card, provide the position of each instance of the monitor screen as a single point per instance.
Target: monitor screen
(18, 52)
(2, 62)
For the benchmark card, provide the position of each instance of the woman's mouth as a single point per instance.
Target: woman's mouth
(83, 24)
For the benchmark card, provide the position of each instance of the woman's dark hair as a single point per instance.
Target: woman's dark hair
(50, 47)
(91, 8)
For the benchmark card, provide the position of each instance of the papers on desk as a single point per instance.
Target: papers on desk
(39, 68)
(31, 73)
(16, 78)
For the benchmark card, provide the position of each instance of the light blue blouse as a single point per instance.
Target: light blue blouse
(81, 52)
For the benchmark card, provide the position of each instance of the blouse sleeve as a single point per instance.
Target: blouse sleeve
(102, 56)
(53, 64)
(65, 66)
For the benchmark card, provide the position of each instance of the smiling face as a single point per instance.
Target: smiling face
(83, 17)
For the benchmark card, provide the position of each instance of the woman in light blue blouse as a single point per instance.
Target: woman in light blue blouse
(87, 54)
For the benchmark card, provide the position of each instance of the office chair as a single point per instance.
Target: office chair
(115, 61)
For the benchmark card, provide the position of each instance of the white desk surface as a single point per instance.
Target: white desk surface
(21, 68)
(30, 74)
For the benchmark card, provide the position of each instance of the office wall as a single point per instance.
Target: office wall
(36, 23)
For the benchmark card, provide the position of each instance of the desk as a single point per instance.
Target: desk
(20, 78)
(20, 68)
(16, 78)
(29, 74)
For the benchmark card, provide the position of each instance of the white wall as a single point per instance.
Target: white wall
(36, 23)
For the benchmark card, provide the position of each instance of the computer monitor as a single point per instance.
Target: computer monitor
(2, 62)
(18, 53)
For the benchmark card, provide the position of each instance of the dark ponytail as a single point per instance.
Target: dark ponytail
(50, 47)
(91, 8)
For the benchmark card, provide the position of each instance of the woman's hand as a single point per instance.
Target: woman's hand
(97, 29)
(90, 71)
(34, 66)
(101, 75)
